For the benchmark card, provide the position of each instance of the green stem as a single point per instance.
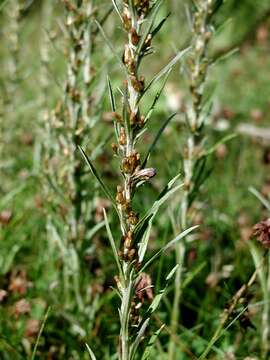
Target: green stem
(180, 256)
(265, 314)
(125, 314)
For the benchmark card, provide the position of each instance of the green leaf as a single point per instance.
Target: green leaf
(139, 338)
(172, 272)
(167, 246)
(112, 100)
(222, 141)
(151, 19)
(7, 261)
(157, 137)
(91, 353)
(157, 299)
(224, 56)
(39, 333)
(94, 230)
(149, 346)
(163, 196)
(257, 257)
(193, 274)
(159, 26)
(11, 194)
(259, 196)
(117, 9)
(95, 173)
(112, 243)
(168, 67)
(157, 97)
(111, 46)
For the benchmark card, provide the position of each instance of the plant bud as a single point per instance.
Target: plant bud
(134, 36)
(132, 218)
(115, 148)
(126, 19)
(144, 174)
(118, 118)
(138, 85)
(122, 137)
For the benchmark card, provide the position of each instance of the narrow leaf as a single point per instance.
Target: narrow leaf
(147, 351)
(110, 44)
(95, 173)
(157, 97)
(159, 26)
(163, 196)
(156, 139)
(39, 333)
(172, 272)
(167, 246)
(151, 18)
(112, 243)
(112, 100)
(139, 338)
(259, 196)
(168, 67)
(90, 351)
(222, 141)
(117, 9)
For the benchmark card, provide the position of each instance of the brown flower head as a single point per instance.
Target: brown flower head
(3, 295)
(5, 216)
(144, 288)
(32, 328)
(262, 232)
(21, 307)
(19, 283)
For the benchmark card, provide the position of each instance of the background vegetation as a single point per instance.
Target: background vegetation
(220, 254)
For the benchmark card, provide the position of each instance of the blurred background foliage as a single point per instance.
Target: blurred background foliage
(219, 258)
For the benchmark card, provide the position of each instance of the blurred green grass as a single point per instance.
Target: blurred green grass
(242, 87)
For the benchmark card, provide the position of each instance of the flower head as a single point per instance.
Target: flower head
(262, 232)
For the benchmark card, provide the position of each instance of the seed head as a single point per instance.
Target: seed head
(262, 232)
(144, 289)
(142, 6)
(134, 37)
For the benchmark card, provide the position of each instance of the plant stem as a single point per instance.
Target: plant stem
(68, 127)
(265, 313)
(197, 78)
(128, 125)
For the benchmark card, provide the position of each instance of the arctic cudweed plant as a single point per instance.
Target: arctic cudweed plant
(262, 264)
(138, 19)
(69, 126)
(197, 115)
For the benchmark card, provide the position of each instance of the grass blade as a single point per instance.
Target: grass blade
(39, 333)
(96, 175)
(91, 353)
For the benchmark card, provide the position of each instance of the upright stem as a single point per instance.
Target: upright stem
(68, 127)
(197, 73)
(265, 314)
(13, 14)
(128, 125)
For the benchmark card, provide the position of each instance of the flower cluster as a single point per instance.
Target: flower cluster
(130, 124)
(262, 232)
